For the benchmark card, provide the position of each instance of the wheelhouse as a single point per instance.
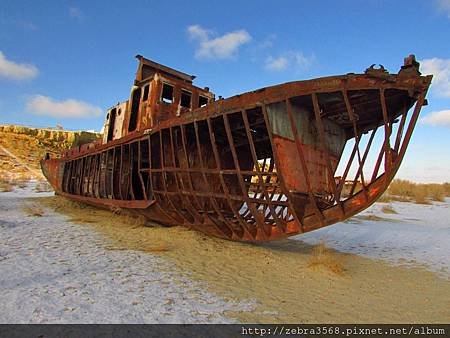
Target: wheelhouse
(159, 93)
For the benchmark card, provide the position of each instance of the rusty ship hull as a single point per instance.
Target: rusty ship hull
(254, 167)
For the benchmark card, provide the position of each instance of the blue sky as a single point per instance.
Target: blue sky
(60, 58)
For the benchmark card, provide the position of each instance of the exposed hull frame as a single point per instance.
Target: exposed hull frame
(200, 179)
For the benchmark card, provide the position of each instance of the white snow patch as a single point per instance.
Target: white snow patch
(416, 235)
(54, 271)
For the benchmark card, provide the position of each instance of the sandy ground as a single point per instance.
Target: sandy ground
(178, 275)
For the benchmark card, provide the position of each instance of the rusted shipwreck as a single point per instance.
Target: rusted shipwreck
(259, 166)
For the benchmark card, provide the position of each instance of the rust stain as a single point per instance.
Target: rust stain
(258, 166)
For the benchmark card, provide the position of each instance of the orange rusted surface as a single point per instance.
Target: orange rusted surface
(259, 166)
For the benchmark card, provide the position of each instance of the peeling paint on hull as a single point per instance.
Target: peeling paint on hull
(254, 167)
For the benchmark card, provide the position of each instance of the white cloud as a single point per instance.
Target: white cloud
(289, 60)
(276, 64)
(222, 47)
(438, 118)
(444, 6)
(76, 13)
(440, 68)
(17, 71)
(198, 33)
(47, 106)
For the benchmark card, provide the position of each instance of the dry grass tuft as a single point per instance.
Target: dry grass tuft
(420, 195)
(33, 210)
(407, 191)
(388, 209)
(402, 188)
(321, 256)
(447, 189)
(437, 192)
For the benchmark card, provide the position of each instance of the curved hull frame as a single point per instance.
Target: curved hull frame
(246, 169)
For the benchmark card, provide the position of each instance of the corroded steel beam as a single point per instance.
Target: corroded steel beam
(259, 166)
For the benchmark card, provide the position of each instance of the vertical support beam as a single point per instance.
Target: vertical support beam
(120, 172)
(251, 232)
(322, 139)
(256, 215)
(357, 139)
(377, 164)
(113, 170)
(400, 128)
(130, 177)
(95, 182)
(102, 175)
(189, 174)
(94, 175)
(91, 175)
(231, 229)
(275, 160)
(387, 133)
(366, 152)
(150, 174)
(139, 171)
(347, 169)
(301, 155)
(164, 181)
(81, 176)
(69, 176)
(99, 159)
(154, 195)
(186, 201)
(281, 224)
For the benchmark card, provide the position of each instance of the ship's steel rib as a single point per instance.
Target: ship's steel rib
(260, 166)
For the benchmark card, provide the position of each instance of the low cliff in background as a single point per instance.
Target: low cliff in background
(62, 139)
(21, 148)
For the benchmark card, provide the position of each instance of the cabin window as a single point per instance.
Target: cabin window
(185, 99)
(202, 101)
(167, 93)
(146, 90)
(136, 98)
(112, 122)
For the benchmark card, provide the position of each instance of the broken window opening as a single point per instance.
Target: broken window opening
(185, 99)
(167, 93)
(136, 97)
(136, 186)
(146, 91)
(202, 101)
(112, 122)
